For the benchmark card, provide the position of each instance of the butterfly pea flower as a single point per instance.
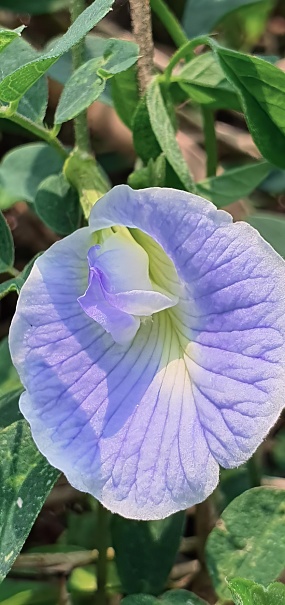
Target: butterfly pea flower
(151, 348)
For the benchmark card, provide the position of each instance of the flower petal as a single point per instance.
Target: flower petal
(142, 426)
(116, 420)
(233, 312)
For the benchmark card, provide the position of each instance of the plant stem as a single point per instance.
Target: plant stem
(210, 140)
(81, 131)
(36, 129)
(142, 30)
(102, 542)
(169, 21)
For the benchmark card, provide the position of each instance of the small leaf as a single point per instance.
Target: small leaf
(57, 204)
(245, 592)
(165, 134)
(26, 480)
(204, 81)
(181, 597)
(261, 86)
(8, 35)
(88, 82)
(83, 88)
(233, 184)
(152, 175)
(200, 16)
(33, 104)
(272, 229)
(6, 246)
(152, 545)
(16, 84)
(32, 163)
(171, 597)
(125, 95)
(15, 284)
(249, 540)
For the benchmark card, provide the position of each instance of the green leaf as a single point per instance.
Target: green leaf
(32, 163)
(28, 592)
(83, 88)
(140, 599)
(249, 540)
(181, 597)
(152, 545)
(8, 35)
(16, 84)
(34, 7)
(272, 229)
(204, 81)
(145, 142)
(34, 103)
(88, 82)
(152, 175)
(6, 246)
(9, 379)
(10, 412)
(125, 95)
(165, 134)
(200, 16)
(26, 480)
(233, 184)
(275, 182)
(57, 204)
(245, 592)
(261, 86)
(15, 284)
(171, 597)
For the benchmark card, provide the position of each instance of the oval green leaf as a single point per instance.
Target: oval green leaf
(249, 540)
(57, 204)
(233, 184)
(261, 86)
(32, 163)
(152, 545)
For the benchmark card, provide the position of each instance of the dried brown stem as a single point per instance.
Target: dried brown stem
(54, 564)
(142, 30)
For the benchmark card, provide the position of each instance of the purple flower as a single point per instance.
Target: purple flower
(150, 355)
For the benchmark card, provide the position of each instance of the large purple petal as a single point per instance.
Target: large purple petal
(142, 426)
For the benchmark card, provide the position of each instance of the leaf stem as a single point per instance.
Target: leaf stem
(102, 543)
(39, 131)
(142, 30)
(13, 271)
(210, 140)
(169, 21)
(185, 50)
(81, 130)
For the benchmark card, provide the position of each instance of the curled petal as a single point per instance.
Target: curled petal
(143, 426)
